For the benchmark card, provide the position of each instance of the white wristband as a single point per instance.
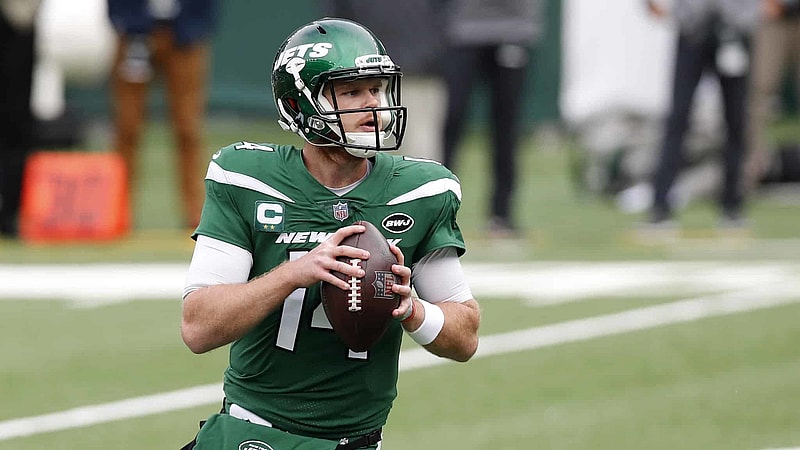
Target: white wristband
(431, 325)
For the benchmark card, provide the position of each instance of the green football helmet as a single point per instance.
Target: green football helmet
(328, 50)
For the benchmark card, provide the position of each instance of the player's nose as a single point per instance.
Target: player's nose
(373, 100)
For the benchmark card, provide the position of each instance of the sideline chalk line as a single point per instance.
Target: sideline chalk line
(532, 338)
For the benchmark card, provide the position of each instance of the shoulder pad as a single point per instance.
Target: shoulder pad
(426, 168)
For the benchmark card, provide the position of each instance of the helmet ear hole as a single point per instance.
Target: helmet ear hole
(293, 109)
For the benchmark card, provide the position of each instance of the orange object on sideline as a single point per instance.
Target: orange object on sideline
(74, 196)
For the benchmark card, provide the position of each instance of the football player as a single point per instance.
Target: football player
(273, 219)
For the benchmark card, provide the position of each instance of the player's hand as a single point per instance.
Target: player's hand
(403, 289)
(317, 264)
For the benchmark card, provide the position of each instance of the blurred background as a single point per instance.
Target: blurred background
(704, 358)
(594, 103)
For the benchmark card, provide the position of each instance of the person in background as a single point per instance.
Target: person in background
(490, 41)
(17, 54)
(713, 35)
(411, 30)
(271, 232)
(776, 48)
(170, 37)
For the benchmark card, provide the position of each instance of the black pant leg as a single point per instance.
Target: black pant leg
(16, 119)
(691, 58)
(509, 68)
(734, 95)
(459, 74)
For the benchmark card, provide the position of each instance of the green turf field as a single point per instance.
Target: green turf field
(715, 369)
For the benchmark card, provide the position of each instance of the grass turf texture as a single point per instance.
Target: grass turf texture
(719, 383)
(727, 382)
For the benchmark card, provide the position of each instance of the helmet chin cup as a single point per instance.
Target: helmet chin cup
(364, 139)
(361, 152)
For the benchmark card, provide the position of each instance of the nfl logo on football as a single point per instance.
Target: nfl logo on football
(383, 285)
(340, 211)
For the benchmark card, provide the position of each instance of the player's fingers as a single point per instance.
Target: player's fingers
(333, 280)
(350, 252)
(343, 232)
(401, 289)
(399, 269)
(403, 272)
(402, 310)
(401, 259)
(349, 270)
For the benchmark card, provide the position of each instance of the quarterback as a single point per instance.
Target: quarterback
(270, 233)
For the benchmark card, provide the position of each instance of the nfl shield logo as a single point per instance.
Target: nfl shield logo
(340, 211)
(383, 284)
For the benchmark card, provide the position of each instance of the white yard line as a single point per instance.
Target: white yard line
(87, 416)
(538, 283)
(532, 338)
(92, 284)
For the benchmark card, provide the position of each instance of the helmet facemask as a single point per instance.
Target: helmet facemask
(312, 62)
(385, 119)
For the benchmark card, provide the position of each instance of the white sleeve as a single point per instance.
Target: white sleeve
(216, 262)
(438, 277)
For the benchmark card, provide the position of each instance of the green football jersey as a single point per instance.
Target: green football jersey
(291, 369)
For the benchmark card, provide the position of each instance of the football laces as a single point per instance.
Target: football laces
(355, 289)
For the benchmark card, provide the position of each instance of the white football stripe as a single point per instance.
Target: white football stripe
(622, 322)
(220, 175)
(108, 412)
(532, 338)
(429, 189)
(558, 282)
(538, 283)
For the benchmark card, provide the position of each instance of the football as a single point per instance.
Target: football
(361, 315)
